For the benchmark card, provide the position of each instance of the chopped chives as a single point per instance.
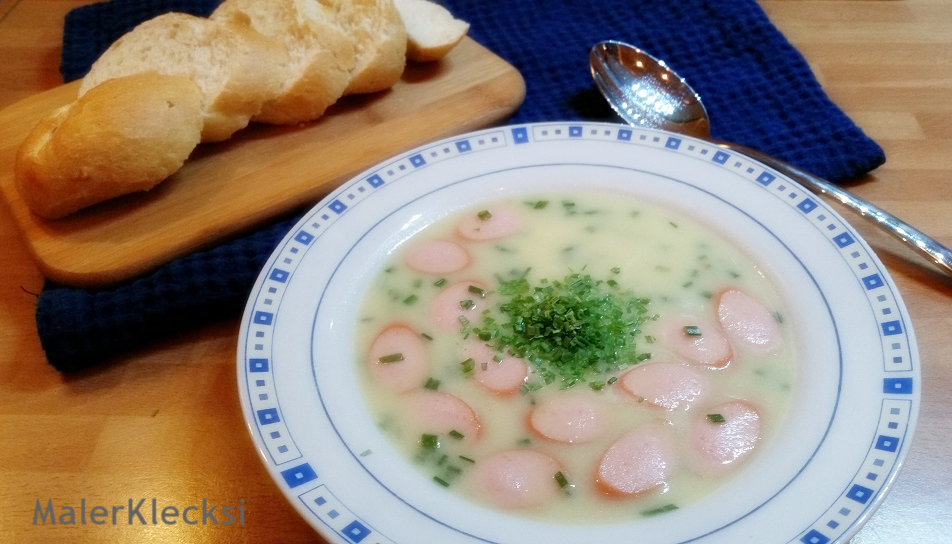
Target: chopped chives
(441, 481)
(530, 387)
(440, 282)
(432, 384)
(467, 304)
(467, 459)
(426, 336)
(391, 358)
(572, 329)
(430, 441)
(468, 365)
(692, 330)
(476, 291)
(561, 479)
(457, 435)
(365, 453)
(660, 510)
(410, 300)
(716, 418)
(484, 215)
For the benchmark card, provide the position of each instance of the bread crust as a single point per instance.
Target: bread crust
(256, 62)
(432, 31)
(380, 43)
(177, 80)
(236, 68)
(321, 55)
(123, 136)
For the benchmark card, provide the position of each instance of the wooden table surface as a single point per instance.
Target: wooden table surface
(164, 421)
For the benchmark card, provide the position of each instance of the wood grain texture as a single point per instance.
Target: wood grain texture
(888, 64)
(261, 172)
(164, 420)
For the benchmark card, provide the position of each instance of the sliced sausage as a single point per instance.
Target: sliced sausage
(454, 301)
(500, 373)
(697, 340)
(439, 413)
(437, 257)
(567, 417)
(398, 359)
(747, 321)
(639, 461)
(672, 386)
(517, 478)
(723, 435)
(489, 224)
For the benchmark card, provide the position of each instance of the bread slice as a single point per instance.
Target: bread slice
(122, 136)
(236, 68)
(432, 31)
(380, 42)
(321, 55)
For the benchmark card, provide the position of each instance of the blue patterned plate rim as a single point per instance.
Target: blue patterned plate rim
(297, 397)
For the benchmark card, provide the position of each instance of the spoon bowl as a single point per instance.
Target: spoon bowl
(645, 92)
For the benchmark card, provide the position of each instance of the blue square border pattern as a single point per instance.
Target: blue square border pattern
(303, 475)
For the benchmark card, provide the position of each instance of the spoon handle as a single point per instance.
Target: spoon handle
(909, 235)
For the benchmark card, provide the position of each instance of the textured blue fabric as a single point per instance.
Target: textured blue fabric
(89, 30)
(756, 86)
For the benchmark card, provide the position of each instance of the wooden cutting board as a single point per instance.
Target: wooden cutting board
(228, 188)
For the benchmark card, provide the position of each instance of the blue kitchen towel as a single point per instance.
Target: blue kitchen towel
(756, 86)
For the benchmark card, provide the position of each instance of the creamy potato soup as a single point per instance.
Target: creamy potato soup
(575, 357)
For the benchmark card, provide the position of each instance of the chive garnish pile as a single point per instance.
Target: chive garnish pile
(571, 330)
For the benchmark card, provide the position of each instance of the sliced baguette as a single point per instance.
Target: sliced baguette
(236, 68)
(432, 31)
(122, 136)
(321, 55)
(380, 42)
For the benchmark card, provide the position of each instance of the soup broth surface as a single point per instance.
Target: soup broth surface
(632, 251)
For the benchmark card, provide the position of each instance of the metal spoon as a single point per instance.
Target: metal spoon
(645, 92)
